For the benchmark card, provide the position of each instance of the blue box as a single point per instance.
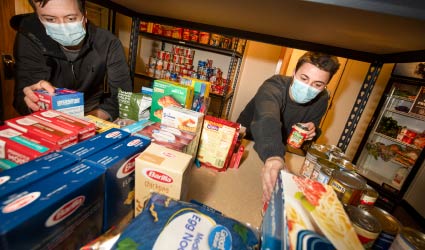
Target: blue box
(119, 164)
(63, 211)
(18, 177)
(64, 100)
(96, 143)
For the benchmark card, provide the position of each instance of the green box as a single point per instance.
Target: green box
(168, 93)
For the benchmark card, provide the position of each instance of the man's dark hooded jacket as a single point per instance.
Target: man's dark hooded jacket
(39, 57)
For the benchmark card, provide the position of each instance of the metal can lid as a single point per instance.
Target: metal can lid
(321, 148)
(350, 179)
(389, 223)
(327, 163)
(363, 219)
(346, 164)
(315, 153)
(414, 237)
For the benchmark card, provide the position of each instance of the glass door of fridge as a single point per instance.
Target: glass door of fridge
(396, 140)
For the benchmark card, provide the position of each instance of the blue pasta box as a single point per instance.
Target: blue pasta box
(27, 173)
(96, 143)
(68, 101)
(62, 211)
(119, 164)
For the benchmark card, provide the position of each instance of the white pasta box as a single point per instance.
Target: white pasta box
(162, 170)
(185, 120)
(118, 161)
(22, 175)
(96, 143)
(83, 128)
(62, 211)
(68, 101)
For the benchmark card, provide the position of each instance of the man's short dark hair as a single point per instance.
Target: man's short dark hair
(42, 3)
(321, 60)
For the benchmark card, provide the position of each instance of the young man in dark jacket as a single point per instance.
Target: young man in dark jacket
(283, 101)
(57, 46)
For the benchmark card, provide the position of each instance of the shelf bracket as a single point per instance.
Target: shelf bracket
(359, 105)
(132, 50)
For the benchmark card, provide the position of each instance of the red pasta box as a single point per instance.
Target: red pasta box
(18, 149)
(51, 134)
(84, 128)
(65, 100)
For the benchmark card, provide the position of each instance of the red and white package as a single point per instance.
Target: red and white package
(18, 149)
(38, 129)
(217, 143)
(85, 129)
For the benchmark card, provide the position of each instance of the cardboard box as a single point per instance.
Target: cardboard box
(101, 125)
(167, 93)
(201, 93)
(50, 134)
(67, 101)
(185, 120)
(118, 162)
(27, 173)
(83, 128)
(16, 148)
(62, 211)
(162, 170)
(96, 143)
(6, 164)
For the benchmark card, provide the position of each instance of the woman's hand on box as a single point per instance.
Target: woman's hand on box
(269, 174)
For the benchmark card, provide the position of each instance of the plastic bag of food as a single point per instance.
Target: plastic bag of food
(170, 224)
(134, 106)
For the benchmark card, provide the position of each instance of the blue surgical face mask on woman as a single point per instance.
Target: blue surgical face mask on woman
(302, 92)
(67, 34)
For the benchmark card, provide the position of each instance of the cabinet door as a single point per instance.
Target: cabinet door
(396, 141)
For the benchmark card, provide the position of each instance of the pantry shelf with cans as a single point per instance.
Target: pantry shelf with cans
(172, 53)
(393, 151)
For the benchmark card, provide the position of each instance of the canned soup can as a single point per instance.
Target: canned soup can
(367, 227)
(389, 224)
(369, 196)
(348, 186)
(409, 239)
(310, 161)
(323, 169)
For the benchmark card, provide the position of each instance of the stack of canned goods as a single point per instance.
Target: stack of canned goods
(173, 64)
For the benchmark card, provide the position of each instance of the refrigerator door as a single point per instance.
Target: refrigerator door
(414, 195)
(394, 147)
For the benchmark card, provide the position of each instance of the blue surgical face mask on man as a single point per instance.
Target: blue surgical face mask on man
(67, 34)
(302, 92)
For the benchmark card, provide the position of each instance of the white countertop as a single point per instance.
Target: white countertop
(236, 192)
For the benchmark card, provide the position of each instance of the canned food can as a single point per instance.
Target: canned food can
(151, 72)
(177, 32)
(369, 196)
(310, 160)
(159, 65)
(173, 76)
(348, 186)
(152, 62)
(186, 34)
(365, 224)
(204, 37)
(325, 169)
(215, 40)
(160, 54)
(408, 239)
(297, 135)
(194, 36)
(389, 224)
(346, 165)
(167, 56)
(333, 148)
(158, 73)
(336, 156)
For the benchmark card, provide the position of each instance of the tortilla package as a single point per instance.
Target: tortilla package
(170, 224)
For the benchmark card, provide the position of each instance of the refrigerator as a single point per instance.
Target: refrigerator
(391, 153)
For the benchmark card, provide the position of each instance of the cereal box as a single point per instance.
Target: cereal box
(62, 211)
(201, 90)
(51, 134)
(218, 139)
(65, 100)
(84, 128)
(16, 148)
(96, 143)
(118, 161)
(162, 170)
(27, 173)
(167, 93)
(185, 120)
